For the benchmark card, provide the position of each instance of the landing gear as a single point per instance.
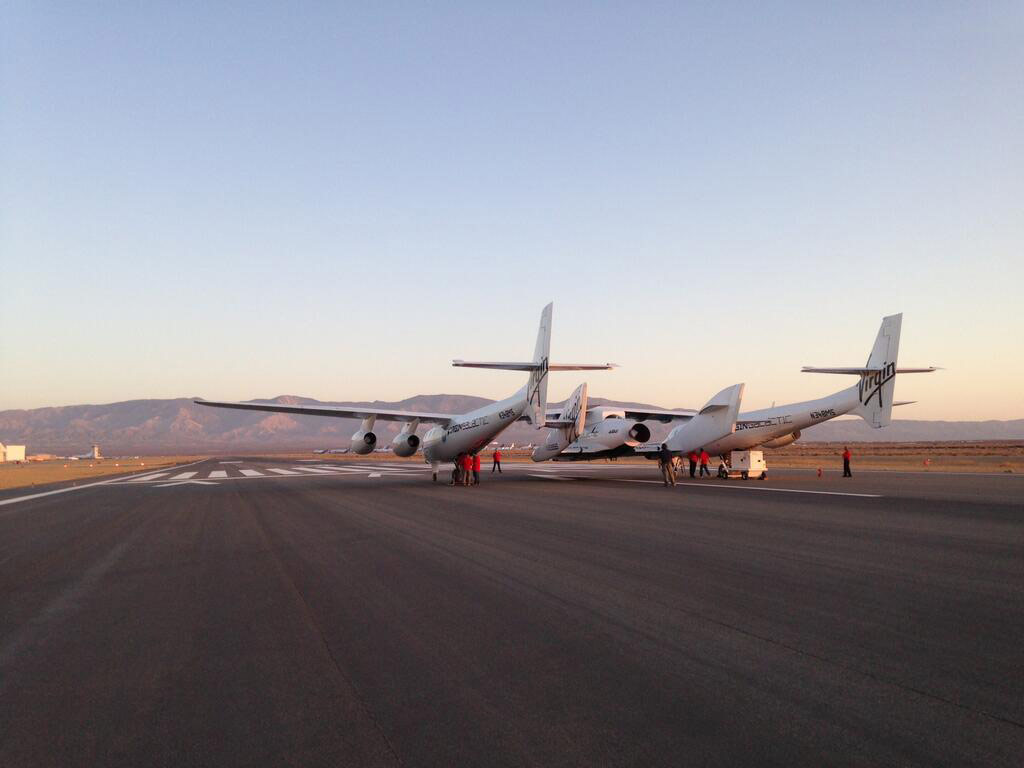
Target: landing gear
(434, 465)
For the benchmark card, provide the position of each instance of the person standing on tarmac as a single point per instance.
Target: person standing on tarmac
(704, 459)
(665, 462)
(846, 462)
(476, 469)
(693, 463)
(496, 465)
(467, 469)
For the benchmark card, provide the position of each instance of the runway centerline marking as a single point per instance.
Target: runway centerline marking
(755, 488)
(550, 476)
(229, 462)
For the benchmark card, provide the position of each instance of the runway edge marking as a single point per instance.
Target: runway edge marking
(755, 488)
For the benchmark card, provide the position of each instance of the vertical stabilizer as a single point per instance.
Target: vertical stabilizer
(878, 384)
(537, 386)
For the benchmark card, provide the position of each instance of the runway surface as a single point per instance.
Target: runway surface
(223, 614)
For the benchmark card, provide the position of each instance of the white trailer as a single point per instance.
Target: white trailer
(746, 464)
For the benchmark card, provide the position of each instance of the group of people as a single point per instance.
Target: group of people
(467, 468)
(669, 466)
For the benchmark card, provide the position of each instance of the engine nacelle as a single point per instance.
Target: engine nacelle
(778, 442)
(363, 442)
(405, 444)
(611, 433)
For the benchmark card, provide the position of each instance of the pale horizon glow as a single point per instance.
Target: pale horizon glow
(244, 202)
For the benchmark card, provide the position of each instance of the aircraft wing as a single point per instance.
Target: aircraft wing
(663, 416)
(554, 415)
(338, 411)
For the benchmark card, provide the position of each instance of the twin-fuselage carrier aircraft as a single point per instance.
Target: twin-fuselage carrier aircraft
(614, 432)
(456, 434)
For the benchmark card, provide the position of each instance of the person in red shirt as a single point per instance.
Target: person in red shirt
(497, 462)
(476, 469)
(467, 469)
(693, 463)
(846, 462)
(704, 459)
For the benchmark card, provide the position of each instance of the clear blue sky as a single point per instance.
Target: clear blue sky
(241, 200)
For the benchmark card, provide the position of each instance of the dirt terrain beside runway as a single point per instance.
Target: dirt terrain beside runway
(990, 456)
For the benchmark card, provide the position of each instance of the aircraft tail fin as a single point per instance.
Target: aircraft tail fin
(877, 387)
(537, 384)
(878, 377)
(566, 428)
(713, 422)
(538, 368)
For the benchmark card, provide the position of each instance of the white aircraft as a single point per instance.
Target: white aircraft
(609, 432)
(871, 398)
(612, 432)
(453, 434)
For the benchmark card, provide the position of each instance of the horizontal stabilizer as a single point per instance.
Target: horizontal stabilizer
(534, 366)
(903, 402)
(865, 371)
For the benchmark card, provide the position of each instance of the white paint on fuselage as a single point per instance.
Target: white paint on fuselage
(758, 427)
(472, 431)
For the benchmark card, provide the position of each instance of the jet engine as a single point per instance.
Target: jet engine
(778, 442)
(405, 444)
(363, 442)
(611, 433)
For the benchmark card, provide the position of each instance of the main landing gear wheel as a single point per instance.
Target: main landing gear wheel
(435, 477)
(745, 475)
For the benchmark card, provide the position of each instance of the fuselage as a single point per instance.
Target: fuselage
(472, 431)
(758, 427)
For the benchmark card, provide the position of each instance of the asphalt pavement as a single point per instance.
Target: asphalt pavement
(251, 612)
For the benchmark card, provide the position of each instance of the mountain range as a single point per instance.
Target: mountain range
(180, 426)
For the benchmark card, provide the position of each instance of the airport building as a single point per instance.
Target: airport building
(12, 452)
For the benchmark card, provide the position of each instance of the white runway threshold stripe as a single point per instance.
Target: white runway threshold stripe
(277, 471)
(218, 473)
(184, 476)
(251, 473)
(752, 488)
(69, 489)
